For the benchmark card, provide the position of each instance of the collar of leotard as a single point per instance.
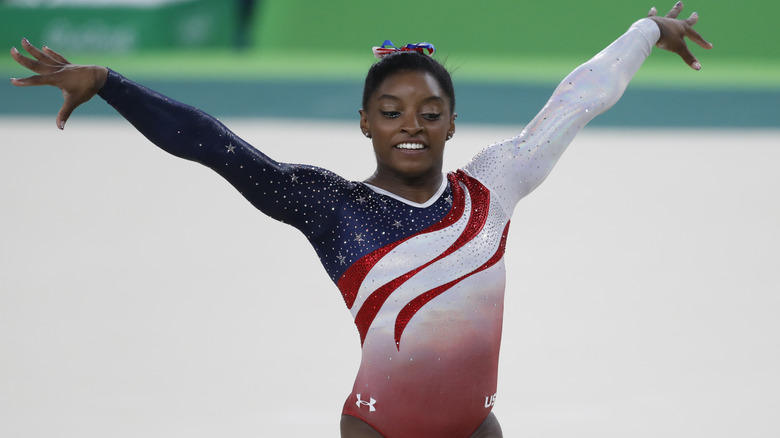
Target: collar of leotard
(425, 204)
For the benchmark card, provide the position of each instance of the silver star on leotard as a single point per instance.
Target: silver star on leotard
(230, 148)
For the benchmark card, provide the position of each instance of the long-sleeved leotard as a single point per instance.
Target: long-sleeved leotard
(424, 282)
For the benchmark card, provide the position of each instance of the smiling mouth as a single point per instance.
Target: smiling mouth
(410, 146)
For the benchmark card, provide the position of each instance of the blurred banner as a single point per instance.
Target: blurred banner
(120, 26)
(306, 59)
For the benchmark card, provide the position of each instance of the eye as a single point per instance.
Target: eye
(432, 116)
(390, 114)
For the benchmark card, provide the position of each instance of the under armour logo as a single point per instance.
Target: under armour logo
(360, 403)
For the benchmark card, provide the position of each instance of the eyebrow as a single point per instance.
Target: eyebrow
(427, 99)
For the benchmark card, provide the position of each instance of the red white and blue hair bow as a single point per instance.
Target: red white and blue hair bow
(387, 48)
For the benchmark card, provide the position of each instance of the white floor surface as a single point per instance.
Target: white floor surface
(141, 296)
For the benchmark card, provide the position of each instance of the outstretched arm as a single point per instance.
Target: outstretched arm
(177, 128)
(188, 133)
(515, 167)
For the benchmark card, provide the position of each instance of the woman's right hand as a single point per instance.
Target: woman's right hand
(78, 83)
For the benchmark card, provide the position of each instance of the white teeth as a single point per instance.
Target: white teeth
(410, 146)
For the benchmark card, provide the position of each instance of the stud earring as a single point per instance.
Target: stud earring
(367, 134)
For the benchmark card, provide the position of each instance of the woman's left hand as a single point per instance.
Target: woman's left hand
(674, 31)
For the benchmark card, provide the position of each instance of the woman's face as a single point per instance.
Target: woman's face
(408, 119)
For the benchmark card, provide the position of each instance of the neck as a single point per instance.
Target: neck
(418, 190)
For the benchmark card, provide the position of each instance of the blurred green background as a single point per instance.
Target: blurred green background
(296, 58)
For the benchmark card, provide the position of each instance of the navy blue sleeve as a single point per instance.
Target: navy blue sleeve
(300, 195)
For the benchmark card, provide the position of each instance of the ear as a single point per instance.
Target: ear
(364, 125)
(451, 130)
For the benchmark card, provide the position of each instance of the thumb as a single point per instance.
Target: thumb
(65, 111)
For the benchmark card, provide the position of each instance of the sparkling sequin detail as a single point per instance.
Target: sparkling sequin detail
(416, 304)
(350, 281)
(480, 201)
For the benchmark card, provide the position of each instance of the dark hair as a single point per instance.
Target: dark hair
(409, 61)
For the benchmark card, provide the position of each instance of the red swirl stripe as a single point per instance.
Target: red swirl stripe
(480, 201)
(416, 304)
(349, 282)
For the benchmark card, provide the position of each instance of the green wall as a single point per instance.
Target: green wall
(308, 60)
(746, 29)
(489, 40)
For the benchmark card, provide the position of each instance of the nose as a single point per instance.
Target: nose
(411, 125)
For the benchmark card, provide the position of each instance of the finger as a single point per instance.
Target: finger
(22, 60)
(30, 64)
(54, 55)
(37, 54)
(675, 11)
(653, 12)
(693, 19)
(32, 81)
(689, 59)
(696, 38)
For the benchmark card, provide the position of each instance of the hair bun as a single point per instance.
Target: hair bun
(387, 48)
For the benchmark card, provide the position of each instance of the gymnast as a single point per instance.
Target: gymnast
(416, 254)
